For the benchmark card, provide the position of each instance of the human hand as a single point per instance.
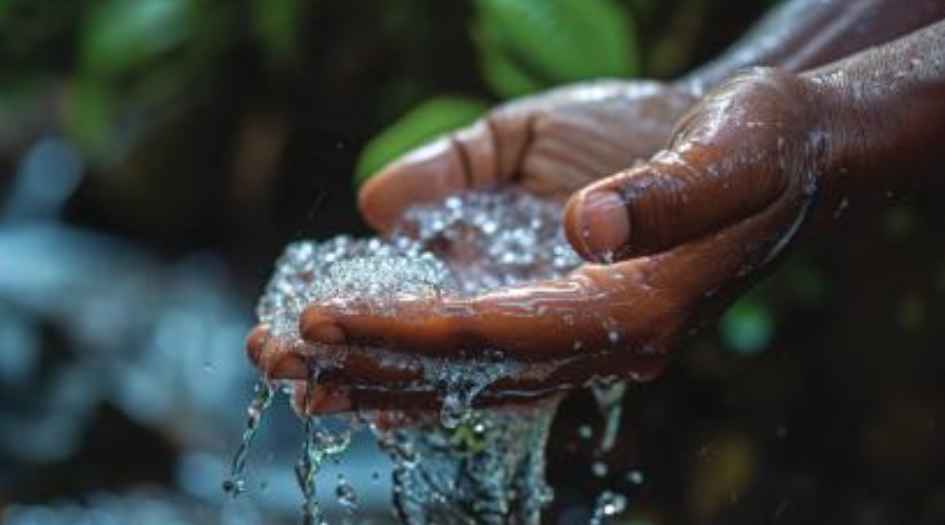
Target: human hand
(678, 236)
(550, 144)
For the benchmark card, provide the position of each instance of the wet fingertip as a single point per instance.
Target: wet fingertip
(598, 224)
(317, 327)
(373, 206)
(256, 342)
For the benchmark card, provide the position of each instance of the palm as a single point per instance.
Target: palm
(551, 144)
(705, 216)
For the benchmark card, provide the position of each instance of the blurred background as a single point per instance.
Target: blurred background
(155, 156)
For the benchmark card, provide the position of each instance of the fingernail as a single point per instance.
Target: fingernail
(604, 225)
(255, 342)
(317, 327)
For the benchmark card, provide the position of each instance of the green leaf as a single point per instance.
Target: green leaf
(432, 118)
(276, 24)
(553, 41)
(747, 327)
(506, 78)
(122, 34)
(90, 114)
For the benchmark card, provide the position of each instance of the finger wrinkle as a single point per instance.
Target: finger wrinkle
(464, 161)
(516, 171)
(493, 134)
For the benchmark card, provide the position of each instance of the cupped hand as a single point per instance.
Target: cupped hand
(550, 144)
(674, 240)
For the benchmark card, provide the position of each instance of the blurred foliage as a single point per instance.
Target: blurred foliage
(748, 326)
(134, 58)
(276, 24)
(524, 46)
(529, 45)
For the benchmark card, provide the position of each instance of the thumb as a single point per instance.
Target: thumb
(674, 198)
(732, 156)
(482, 155)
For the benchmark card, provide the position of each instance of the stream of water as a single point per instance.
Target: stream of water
(469, 465)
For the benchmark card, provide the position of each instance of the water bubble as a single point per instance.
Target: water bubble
(599, 468)
(346, 495)
(635, 477)
(609, 397)
(585, 431)
(842, 207)
(608, 504)
(235, 484)
(483, 465)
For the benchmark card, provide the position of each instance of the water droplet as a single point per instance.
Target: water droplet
(599, 468)
(609, 397)
(608, 504)
(235, 484)
(486, 463)
(635, 477)
(844, 204)
(585, 431)
(346, 495)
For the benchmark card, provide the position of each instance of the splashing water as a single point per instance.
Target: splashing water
(489, 469)
(235, 484)
(608, 504)
(458, 386)
(346, 495)
(471, 465)
(609, 397)
(319, 445)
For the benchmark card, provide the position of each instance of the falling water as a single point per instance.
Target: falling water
(608, 504)
(319, 445)
(489, 469)
(609, 397)
(235, 484)
(470, 464)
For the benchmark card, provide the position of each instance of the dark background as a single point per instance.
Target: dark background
(155, 157)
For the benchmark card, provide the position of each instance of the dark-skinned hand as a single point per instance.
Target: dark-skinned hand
(671, 241)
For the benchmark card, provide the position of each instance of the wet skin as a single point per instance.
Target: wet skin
(672, 241)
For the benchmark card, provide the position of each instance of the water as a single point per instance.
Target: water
(346, 495)
(466, 245)
(609, 504)
(235, 484)
(324, 438)
(489, 469)
(458, 386)
(609, 397)
(319, 444)
(468, 465)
